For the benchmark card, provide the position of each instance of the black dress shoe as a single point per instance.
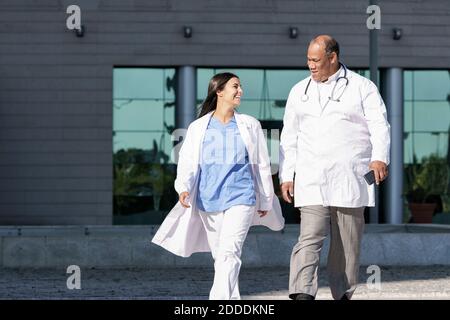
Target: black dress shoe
(344, 297)
(301, 296)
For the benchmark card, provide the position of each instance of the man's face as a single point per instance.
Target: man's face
(319, 63)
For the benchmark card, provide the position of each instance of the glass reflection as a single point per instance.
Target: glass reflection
(143, 120)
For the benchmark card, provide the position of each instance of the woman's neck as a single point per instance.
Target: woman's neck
(224, 113)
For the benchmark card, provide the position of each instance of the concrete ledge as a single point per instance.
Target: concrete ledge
(130, 246)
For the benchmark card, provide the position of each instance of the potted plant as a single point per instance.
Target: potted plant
(426, 182)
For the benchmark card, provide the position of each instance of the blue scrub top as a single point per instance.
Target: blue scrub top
(225, 173)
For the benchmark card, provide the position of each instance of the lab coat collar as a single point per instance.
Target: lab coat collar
(334, 76)
(243, 126)
(207, 117)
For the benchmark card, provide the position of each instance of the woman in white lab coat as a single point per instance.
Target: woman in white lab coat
(224, 184)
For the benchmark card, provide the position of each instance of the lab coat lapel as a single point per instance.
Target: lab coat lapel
(337, 87)
(315, 108)
(203, 125)
(244, 131)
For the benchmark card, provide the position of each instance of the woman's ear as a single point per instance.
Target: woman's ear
(219, 93)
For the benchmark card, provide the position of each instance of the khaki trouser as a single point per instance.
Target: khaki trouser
(347, 227)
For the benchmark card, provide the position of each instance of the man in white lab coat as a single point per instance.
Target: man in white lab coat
(335, 131)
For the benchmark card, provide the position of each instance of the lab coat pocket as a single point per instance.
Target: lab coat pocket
(345, 185)
(361, 170)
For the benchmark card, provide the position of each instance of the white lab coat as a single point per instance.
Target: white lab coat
(330, 149)
(182, 231)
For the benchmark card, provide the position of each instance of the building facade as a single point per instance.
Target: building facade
(86, 120)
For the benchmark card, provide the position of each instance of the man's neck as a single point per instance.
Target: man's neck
(333, 71)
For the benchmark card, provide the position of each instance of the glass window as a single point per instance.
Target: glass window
(143, 119)
(431, 85)
(408, 150)
(431, 116)
(407, 85)
(203, 77)
(426, 113)
(407, 116)
(426, 144)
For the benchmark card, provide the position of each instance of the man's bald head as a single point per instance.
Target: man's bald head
(329, 44)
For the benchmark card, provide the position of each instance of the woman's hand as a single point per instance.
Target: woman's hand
(262, 213)
(182, 198)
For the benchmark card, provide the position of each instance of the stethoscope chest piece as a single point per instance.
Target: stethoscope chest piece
(304, 98)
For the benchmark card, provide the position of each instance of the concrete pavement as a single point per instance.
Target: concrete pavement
(420, 282)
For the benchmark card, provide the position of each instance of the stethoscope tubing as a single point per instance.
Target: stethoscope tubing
(305, 96)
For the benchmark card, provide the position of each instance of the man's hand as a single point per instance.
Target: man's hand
(182, 199)
(380, 170)
(287, 191)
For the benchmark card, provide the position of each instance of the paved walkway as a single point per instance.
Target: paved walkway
(189, 283)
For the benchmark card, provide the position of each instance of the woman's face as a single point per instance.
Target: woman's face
(231, 93)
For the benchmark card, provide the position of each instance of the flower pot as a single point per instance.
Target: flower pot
(422, 212)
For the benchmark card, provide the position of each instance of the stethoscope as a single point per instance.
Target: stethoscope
(305, 96)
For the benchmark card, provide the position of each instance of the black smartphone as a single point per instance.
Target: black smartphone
(370, 177)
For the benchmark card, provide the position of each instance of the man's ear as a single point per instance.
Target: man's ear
(334, 58)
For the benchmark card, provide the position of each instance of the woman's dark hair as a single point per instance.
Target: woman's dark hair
(216, 83)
